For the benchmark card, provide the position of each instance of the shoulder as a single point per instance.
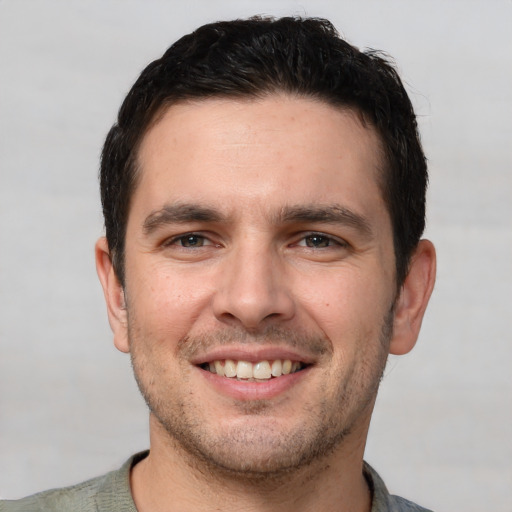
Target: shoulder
(402, 505)
(101, 494)
(382, 500)
(81, 497)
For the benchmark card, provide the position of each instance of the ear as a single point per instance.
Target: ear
(413, 299)
(114, 295)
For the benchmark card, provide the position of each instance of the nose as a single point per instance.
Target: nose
(253, 290)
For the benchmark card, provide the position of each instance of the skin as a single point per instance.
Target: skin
(258, 231)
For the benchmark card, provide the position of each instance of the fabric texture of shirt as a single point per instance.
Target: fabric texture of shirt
(111, 493)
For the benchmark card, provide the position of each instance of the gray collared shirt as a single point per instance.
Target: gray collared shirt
(111, 493)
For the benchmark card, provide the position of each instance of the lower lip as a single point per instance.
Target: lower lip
(245, 390)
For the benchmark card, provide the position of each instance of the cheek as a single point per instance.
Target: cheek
(344, 298)
(163, 304)
(350, 309)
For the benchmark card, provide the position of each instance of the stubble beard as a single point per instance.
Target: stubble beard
(254, 453)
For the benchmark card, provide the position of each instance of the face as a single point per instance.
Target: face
(260, 281)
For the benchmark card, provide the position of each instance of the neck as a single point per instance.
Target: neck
(170, 479)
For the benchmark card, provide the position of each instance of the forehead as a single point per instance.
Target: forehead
(278, 149)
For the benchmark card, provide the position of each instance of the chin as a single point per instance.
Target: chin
(255, 449)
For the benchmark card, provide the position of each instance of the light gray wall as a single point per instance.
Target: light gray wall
(69, 410)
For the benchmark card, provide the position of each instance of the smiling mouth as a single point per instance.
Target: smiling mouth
(262, 371)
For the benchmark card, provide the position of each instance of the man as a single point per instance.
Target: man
(264, 198)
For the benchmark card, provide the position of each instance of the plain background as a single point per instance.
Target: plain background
(69, 409)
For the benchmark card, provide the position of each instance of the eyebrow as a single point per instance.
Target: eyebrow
(329, 214)
(181, 213)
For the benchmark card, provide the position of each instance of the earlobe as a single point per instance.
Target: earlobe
(414, 296)
(114, 295)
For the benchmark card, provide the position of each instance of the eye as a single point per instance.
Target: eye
(192, 241)
(317, 241)
(320, 241)
(189, 241)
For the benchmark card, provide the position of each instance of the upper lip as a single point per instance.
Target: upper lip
(251, 354)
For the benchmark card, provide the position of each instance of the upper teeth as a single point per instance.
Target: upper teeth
(262, 370)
